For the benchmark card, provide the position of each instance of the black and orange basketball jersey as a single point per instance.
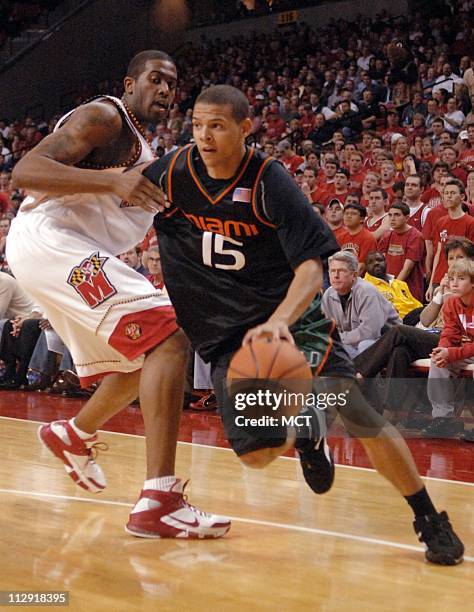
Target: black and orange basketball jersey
(229, 247)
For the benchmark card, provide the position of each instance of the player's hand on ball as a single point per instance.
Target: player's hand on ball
(134, 188)
(276, 329)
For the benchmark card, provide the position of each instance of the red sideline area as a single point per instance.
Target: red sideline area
(448, 459)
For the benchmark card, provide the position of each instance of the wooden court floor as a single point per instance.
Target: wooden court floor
(352, 549)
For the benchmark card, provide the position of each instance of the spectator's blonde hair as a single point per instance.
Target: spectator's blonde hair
(462, 267)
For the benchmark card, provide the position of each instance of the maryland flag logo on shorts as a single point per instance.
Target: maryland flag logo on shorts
(90, 280)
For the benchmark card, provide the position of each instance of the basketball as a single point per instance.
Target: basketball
(267, 358)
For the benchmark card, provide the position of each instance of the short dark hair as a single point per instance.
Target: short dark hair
(382, 191)
(360, 209)
(440, 164)
(459, 184)
(417, 176)
(402, 207)
(438, 120)
(226, 95)
(458, 242)
(344, 172)
(138, 61)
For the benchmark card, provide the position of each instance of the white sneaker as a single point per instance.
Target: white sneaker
(167, 514)
(77, 455)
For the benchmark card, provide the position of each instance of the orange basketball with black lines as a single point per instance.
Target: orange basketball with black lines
(267, 358)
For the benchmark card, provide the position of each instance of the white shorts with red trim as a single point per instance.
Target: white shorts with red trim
(106, 313)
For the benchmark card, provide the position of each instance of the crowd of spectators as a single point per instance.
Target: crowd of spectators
(389, 165)
(21, 14)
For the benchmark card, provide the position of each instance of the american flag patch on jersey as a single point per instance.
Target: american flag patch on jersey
(242, 194)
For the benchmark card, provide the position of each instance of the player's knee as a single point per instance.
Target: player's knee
(176, 347)
(257, 460)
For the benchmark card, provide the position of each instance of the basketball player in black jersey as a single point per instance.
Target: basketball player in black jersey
(242, 255)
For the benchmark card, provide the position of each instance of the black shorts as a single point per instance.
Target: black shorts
(333, 362)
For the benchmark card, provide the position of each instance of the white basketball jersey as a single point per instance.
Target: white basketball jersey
(104, 218)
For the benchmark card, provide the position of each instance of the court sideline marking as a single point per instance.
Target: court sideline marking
(339, 465)
(238, 519)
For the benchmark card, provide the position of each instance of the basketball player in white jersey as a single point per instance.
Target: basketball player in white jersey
(87, 203)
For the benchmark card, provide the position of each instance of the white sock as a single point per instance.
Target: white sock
(165, 483)
(82, 434)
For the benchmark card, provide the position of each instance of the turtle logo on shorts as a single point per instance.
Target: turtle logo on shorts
(90, 280)
(133, 331)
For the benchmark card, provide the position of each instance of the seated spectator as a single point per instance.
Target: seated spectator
(416, 106)
(369, 110)
(446, 80)
(322, 132)
(153, 263)
(401, 345)
(17, 344)
(454, 352)
(288, 157)
(333, 215)
(453, 117)
(371, 181)
(4, 229)
(16, 306)
(467, 156)
(348, 121)
(455, 223)
(356, 238)
(388, 172)
(437, 128)
(378, 220)
(309, 186)
(357, 171)
(341, 187)
(395, 291)
(393, 127)
(404, 250)
(449, 156)
(132, 258)
(360, 311)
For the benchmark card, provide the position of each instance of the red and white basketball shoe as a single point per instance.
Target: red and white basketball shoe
(167, 514)
(77, 455)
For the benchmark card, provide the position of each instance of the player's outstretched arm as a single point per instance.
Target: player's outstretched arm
(49, 167)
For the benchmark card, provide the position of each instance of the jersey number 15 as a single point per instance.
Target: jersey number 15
(215, 253)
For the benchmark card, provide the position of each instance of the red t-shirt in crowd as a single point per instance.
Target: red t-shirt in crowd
(389, 132)
(458, 331)
(467, 157)
(338, 231)
(371, 225)
(460, 174)
(307, 124)
(361, 243)
(5, 202)
(446, 228)
(159, 285)
(399, 247)
(275, 127)
(431, 197)
(434, 214)
(292, 163)
(418, 218)
(356, 180)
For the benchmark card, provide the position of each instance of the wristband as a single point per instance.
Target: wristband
(438, 298)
